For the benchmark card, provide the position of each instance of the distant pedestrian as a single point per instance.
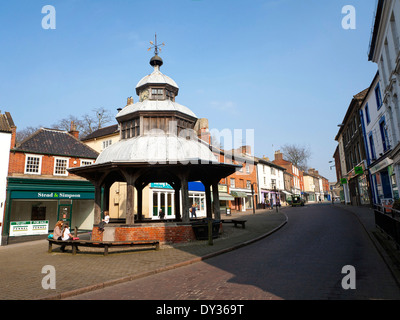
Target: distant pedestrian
(162, 214)
(193, 210)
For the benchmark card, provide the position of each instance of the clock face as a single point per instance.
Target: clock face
(144, 95)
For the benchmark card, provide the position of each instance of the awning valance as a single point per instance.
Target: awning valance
(238, 194)
(225, 196)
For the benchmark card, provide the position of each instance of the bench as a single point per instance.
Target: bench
(236, 222)
(101, 244)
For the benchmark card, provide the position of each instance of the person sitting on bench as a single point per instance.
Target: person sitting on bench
(66, 236)
(105, 221)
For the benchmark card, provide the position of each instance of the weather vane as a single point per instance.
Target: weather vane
(155, 45)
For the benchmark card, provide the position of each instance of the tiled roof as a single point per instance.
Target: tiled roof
(6, 122)
(56, 142)
(102, 132)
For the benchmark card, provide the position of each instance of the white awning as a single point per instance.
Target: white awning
(225, 196)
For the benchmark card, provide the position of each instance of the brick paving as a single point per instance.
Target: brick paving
(21, 264)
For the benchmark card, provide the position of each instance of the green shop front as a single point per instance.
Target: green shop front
(33, 206)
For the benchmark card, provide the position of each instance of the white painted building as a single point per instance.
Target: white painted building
(7, 137)
(379, 129)
(385, 52)
(270, 180)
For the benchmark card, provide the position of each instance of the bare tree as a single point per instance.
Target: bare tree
(298, 155)
(96, 120)
(25, 133)
(87, 123)
(65, 124)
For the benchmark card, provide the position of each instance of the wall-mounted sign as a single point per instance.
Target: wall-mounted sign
(358, 170)
(160, 185)
(28, 228)
(52, 195)
(343, 181)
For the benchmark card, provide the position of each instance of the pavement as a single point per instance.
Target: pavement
(24, 266)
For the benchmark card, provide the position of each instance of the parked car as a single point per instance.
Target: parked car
(297, 201)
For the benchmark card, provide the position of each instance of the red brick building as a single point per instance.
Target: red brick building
(296, 180)
(242, 185)
(39, 186)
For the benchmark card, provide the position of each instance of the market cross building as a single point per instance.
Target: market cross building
(158, 144)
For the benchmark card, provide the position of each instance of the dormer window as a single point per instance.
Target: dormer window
(157, 94)
(169, 94)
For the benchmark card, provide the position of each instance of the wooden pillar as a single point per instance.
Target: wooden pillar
(217, 210)
(97, 204)
(140, 203)
(208, 200)
(177, 199)
(185, 198)
(130, 201)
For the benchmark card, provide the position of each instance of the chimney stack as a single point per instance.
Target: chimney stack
(278, 155)
(129, 101)
(73, 130)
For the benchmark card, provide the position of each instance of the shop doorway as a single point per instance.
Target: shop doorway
(387, 190)
(65, 213)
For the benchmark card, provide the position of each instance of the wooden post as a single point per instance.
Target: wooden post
(130, 203)
(185, 199)
(216, 206)
(177, 204)
(209, 212)
(140, 203)
(97, 204)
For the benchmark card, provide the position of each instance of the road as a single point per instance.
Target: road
(303, 260)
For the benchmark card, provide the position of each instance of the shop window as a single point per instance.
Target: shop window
(33, 164)
(38, 213)
(60, 167)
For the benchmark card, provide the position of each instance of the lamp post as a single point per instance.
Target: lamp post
(252, 196)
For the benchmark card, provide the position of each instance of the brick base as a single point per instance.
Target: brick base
(165, 233)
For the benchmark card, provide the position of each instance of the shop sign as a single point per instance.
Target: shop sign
(28, 228)
(222, 188)
(381, 165)
(358, 170)
(343, 181)
(160, 185)
(51, 195)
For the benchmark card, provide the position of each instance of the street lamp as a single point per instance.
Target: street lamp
(252, 196)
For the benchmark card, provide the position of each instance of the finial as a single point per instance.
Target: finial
(156, 60)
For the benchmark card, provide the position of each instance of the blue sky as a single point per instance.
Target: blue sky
(285, 68)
